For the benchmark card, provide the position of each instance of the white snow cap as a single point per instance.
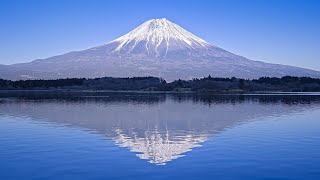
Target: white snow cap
(156, 31)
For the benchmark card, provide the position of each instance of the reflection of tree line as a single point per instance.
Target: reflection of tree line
(153, 98)
(233, 99)
(82, 97)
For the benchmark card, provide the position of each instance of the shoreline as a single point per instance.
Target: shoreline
(158, 92)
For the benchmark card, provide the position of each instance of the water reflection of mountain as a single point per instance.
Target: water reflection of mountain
(158, 128)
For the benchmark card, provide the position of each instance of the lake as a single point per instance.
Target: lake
(105, 135)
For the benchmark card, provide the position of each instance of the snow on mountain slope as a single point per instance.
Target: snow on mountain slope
(157, 47)
(162, 39)
(157, 33)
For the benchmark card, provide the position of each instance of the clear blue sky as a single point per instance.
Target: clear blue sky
(277, 31)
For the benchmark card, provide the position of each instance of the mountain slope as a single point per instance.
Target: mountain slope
(157, 47)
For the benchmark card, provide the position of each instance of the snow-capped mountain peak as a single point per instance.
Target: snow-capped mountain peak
(158, 35)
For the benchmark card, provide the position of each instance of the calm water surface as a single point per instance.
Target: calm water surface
(158, 136)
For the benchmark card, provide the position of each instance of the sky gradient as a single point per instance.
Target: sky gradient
(275, 31)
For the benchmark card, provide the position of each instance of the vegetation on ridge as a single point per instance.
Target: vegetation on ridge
(212, 84)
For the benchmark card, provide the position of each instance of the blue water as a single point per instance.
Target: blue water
(134, 136)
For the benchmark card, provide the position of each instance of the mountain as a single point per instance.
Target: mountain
(157, 47)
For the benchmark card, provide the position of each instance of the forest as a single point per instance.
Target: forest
(205, 84)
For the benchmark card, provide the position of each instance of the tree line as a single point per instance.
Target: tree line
(149, 83)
